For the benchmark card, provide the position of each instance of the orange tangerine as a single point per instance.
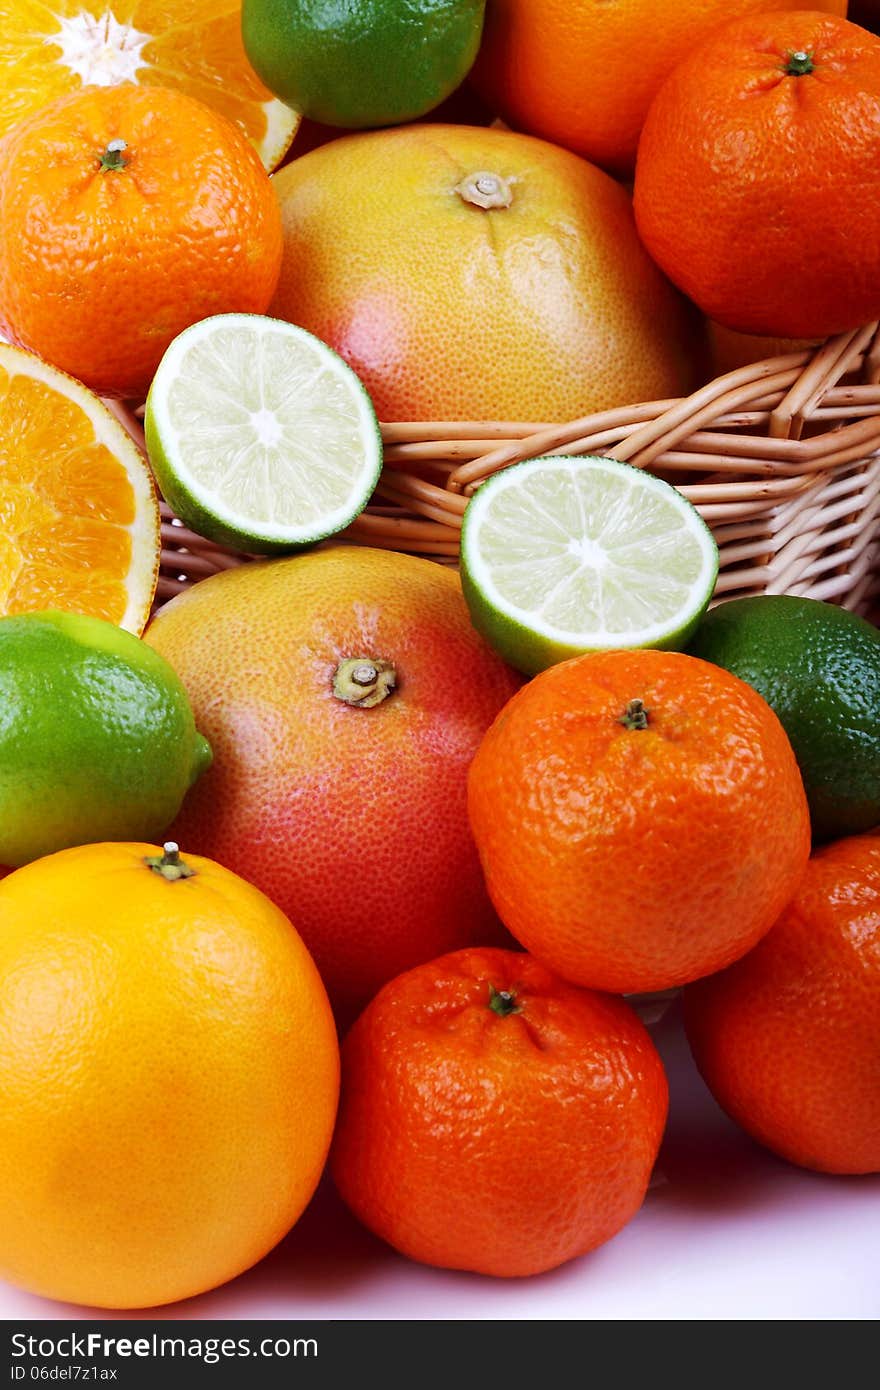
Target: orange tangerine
(584, 74)
(126, 214)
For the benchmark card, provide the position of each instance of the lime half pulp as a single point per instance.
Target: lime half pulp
(561, 556)
(261, 437)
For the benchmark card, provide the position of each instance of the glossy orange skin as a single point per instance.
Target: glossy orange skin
(543, 310)
(100, 270)
(352, 820)
(788, 1039)
(168, 1077)
(759, 192)
(630, 859)
(584, 74)
(503, 1145)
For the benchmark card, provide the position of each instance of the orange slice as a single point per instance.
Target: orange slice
(79, 519)
(49, 47)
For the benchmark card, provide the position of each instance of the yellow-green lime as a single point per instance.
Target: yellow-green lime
(818, 667)
(97, 738)
(261, 437)
(561, 556)
(364, 62)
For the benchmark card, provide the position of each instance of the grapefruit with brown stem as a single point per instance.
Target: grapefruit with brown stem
(344, 693)
(471, 274)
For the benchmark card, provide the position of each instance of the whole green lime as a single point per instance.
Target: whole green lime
(362, 63)
(818, 667)
(97, 738)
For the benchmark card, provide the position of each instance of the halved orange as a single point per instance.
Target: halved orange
(49, 47)
(79, 518)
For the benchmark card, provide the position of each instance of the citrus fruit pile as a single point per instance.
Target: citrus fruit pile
(348, 860)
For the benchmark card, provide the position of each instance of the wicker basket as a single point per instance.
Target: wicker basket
(780, 457)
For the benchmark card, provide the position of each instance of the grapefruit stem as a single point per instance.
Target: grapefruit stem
(798, 63)
(364, 681)
(112, 158)
(503, 1002)
(635, 716)
(485, 190)
(169, 864)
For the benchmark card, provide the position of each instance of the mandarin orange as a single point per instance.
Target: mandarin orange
(640, 818)
(126, 214)
(494, 1118)
(758, 177)
(584, 75)
(788, 1038)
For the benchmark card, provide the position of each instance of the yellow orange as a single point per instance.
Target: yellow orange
(79, 521)
(168, 1076)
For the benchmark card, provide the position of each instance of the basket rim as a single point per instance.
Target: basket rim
(781, 457)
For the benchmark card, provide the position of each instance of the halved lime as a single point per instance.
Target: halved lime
(561, 556)
(260, 436)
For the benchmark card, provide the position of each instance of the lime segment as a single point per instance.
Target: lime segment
(261, 437)
(561, 556)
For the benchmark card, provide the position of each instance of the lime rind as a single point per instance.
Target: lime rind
(260, 435)
(818, 667)
(564, 555)
(359, 66)
(98, 740)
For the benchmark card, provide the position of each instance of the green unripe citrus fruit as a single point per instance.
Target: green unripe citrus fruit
(364, 63)
(818, 667)
(97, 738)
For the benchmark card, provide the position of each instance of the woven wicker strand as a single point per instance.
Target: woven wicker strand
(781, 458)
